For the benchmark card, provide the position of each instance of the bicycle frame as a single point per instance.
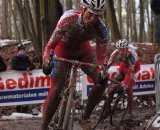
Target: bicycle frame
(66, 116)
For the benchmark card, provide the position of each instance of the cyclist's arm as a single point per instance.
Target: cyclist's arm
(61, 28)
(102, 32)
(53, 41)
(112, 57)
(131, 73)
(136, 68)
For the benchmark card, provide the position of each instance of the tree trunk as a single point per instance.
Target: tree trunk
(36, 48)
(128, 18)
(9, 22)
(51, 10)
(69, 4)
(4, 19)
(114, 25)
(120, 16)
(15, 23)
(134, 21)
(141, 33)
(43, 18)
(36, 8)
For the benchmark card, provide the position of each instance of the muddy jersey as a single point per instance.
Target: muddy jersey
(130, 59)
(128, 66)
(72, 32)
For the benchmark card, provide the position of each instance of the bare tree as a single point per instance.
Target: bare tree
(115, 34)
(134, 27)
(120, 16)
(5, 19)
(141, 31)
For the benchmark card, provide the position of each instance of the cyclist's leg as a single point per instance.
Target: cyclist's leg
(51, 103)
(130, 96)
(97, 90)
(126, 81)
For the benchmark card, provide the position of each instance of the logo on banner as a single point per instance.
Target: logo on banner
(145, 83)
(23, 88)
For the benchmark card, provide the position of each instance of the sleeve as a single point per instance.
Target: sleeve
(112, 57)
(53, 41)
(102, 31)
(56, 36)
(137, 66)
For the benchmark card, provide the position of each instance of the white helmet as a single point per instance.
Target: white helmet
(123, 43)
(94, 6)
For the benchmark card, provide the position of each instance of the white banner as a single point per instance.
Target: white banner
(145, 83)
(21, 87)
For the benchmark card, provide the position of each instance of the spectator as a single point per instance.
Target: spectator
(21, 62)
(155, 6)
(3, 66)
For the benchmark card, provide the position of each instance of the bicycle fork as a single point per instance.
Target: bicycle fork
(68, 122)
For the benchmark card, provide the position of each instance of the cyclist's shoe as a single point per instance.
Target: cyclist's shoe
(86, 124)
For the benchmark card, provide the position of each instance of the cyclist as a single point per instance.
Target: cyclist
(70, 40)
(129, 65)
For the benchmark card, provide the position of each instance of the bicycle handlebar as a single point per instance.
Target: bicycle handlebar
(75, 62)
(78, 63)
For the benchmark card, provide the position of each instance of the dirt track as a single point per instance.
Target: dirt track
(142, 114)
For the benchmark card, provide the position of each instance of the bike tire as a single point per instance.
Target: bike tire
(68, 108)
(117, 114)
(57, 120)
(103, 113)
(71, 120)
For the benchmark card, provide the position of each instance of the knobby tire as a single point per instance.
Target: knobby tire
(115, 109)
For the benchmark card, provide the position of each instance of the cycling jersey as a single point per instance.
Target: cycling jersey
(130, 58)
(128, 64)
(72, 32)
(70, 40)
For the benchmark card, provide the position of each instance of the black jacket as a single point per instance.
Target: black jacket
(3, 66)
(21, 64)
(155, 6)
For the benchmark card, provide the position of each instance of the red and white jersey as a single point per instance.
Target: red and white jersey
(131, 57)
(71, 30)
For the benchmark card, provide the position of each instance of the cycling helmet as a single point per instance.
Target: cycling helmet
(94, 6)
(123, 43)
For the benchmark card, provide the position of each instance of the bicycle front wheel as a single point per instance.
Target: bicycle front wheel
(119, 109)
(69, 111)
(57, 120)
(102, 110)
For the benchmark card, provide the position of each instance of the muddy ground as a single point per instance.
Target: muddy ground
(141, 114)
(144, 110)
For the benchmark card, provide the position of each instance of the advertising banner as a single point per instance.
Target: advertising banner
(21, 87)
(18, 87)
(145, 83)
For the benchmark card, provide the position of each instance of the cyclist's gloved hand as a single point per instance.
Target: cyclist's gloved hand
(46, 68)
(48, 64)
(103, 78)
(124, 86)
(53, 64)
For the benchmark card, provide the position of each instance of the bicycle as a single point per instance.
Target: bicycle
(112, 105)
(64, 116)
